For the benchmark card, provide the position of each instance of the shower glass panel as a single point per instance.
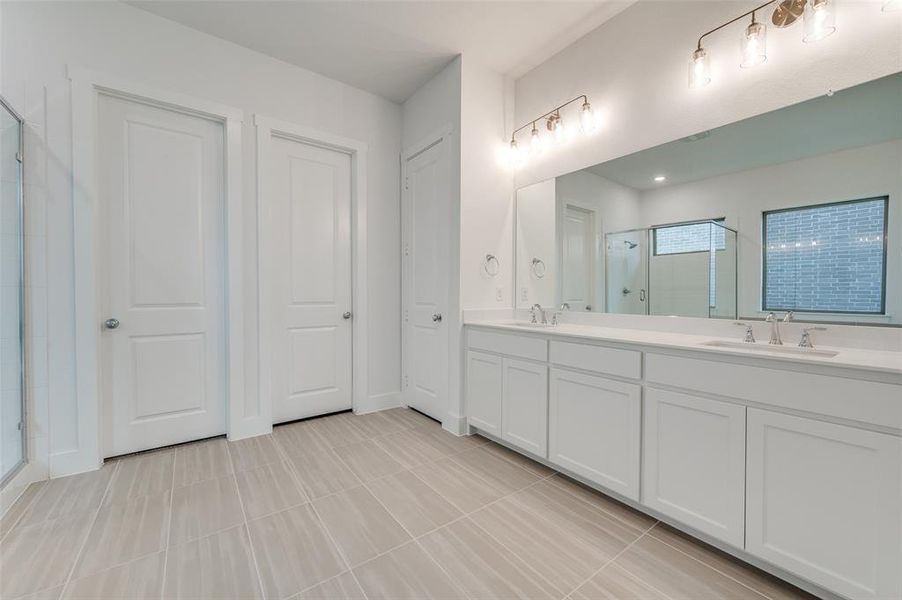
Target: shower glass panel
(626, 264)
(12, 438)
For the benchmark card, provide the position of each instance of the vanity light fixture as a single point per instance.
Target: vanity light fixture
(556, 130)
(753, 44)
(819, 19)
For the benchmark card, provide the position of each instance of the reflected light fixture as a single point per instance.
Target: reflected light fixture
(753, 44)
(660, 178)
(892, 5)
(557, 131)
(819, 19)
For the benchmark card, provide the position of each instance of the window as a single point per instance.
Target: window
(689, 237)
(826, 258)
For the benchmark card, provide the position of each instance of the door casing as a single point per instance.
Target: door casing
(86, 88)
(266, 129)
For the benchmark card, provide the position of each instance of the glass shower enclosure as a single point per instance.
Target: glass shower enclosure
(12, 296)
(683, 269)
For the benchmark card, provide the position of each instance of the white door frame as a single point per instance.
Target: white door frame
(86, 87)
(452, 320)
(266, 129)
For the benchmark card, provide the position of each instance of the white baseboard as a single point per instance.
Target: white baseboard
(16, 486)
(456, 424)
(379, 402)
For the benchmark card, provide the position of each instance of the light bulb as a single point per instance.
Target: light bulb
(820, 20)
(556, 126)
(586, 118)
(536, 141)
(699, 69)
(517, 156)
(753, 44)
(892, 5)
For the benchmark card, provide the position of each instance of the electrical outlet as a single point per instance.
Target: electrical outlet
(499, 294)
(524, 295)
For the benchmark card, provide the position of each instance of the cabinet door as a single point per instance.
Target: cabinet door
(825, 502)
(695, 462)
(594, 426)
(484, 392)
(524, 412)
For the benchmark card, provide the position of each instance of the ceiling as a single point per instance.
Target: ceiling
(859, 116)
(391, 48)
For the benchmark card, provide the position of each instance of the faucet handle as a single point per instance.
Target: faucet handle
(749, 333)
(805, 342)
(789, 316)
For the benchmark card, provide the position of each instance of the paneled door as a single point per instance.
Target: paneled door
(162, 263)
(578, 258)
(310, 314)
(426, 197)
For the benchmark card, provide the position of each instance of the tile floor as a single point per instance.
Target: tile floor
(385, 505)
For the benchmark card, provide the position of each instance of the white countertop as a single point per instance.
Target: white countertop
(851, 358)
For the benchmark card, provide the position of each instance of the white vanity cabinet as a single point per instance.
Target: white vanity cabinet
(824, 501)
(594, 428)
(484, 382)
(524, 405)
(694, 462)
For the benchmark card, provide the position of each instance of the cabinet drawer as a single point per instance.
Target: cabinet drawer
(855, 399)
(611, 361)
(522, 346)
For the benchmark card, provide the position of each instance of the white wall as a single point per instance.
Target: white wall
(741, 197)
(634, 69)
(39, 41)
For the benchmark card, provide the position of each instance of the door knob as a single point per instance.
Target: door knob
(347, 315)
(111, 323)
(437, 318)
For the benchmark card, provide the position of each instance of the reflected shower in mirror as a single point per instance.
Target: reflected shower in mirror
(793, 210)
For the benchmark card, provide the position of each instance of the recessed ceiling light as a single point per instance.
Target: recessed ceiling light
(660, 178)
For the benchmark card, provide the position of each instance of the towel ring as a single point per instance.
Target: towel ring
(491, 265)
(538, 267)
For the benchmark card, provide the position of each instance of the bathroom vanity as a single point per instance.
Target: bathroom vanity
(787, 458)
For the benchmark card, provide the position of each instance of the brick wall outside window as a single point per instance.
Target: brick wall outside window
(826, 258)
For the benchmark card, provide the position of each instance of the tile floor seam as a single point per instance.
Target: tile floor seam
(611, 561)
(34, 500)
(607, 512)
(710, 566)
(84, 542)
(175, 460)
(322, 524)
(247, 529)
(525, 470)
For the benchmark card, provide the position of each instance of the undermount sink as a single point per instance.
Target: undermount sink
(770, 349)
(530, 325)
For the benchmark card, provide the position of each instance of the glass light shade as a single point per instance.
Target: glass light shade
(556, 127)
(699, 69)
(753, 45)
(517, 155)
(536, 142)
(819, 19)
(586, 118)
(892, 5)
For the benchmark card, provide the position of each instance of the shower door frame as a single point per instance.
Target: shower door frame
(20, 198)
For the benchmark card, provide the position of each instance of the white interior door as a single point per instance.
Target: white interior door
(578, 258)
(426, 262)
(309, 306)
(161, 188)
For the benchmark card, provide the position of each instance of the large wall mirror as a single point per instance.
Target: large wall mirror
(797, 210)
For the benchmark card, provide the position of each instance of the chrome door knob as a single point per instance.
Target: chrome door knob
(111, 323)
(347, 315)
(437, 318)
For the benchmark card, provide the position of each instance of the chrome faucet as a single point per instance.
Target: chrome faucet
(771, 318)
(806, 336)
(749, 333)
(537, 308)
